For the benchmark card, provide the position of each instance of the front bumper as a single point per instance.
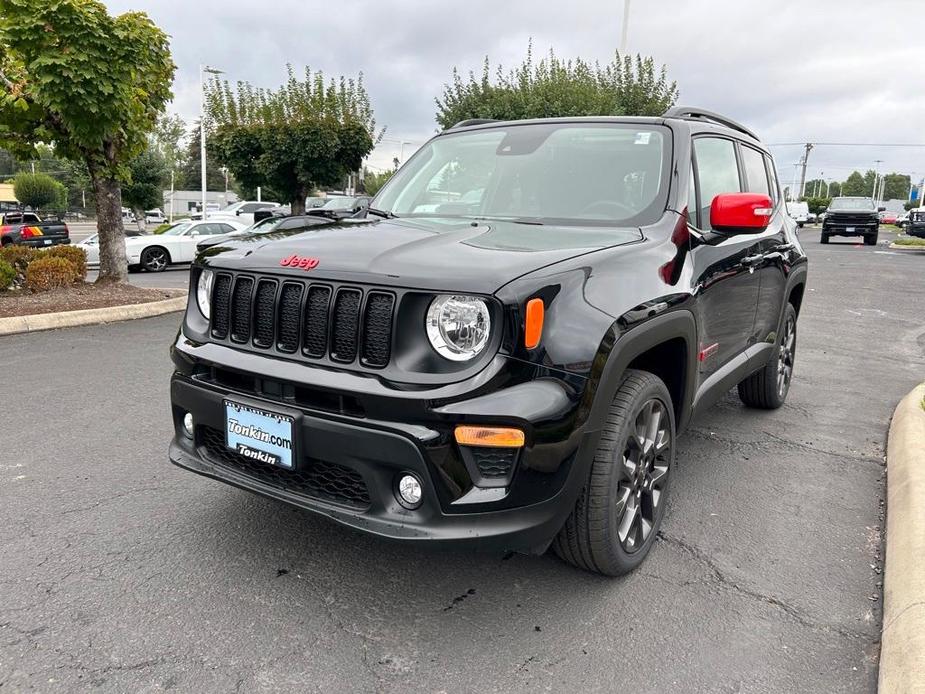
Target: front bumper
(840, 229)
(917, 231)
(350, 464)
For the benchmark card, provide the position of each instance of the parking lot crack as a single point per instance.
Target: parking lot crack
(722, 578)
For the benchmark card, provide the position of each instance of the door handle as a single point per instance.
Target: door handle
(752, 259)
(783, 248)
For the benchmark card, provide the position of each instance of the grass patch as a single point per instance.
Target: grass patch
(910, 241)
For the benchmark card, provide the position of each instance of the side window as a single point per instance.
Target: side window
(756, 176)
(772, 179)
(224, 228)
(30, 218)
(250, 207)
(717, 172)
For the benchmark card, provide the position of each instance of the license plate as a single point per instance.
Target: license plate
(47, 242)
(265, 437)
(849, 229)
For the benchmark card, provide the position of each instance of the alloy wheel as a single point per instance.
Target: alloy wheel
(785, 357)
(155, 260)
(644, 474)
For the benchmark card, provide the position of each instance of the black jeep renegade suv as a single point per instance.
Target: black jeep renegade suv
(502, 353)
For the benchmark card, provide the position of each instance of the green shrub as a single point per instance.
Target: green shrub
(910, 241)
(78, 256)
(19, 257)
(7, 275)
(47, 273)
(161, 228)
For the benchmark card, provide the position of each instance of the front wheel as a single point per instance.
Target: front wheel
(767, 389)
(824, 238)
(155, 259)
(870, 240)
(618, 514)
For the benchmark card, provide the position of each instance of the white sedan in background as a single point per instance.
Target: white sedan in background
(154, 252)
(91, 246)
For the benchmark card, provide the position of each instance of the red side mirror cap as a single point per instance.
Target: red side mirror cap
(741, 212)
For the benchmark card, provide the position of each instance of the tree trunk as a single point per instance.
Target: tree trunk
(113, 265)
(297, 206)
(140, 220)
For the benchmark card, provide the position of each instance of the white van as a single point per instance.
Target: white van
(799, 212)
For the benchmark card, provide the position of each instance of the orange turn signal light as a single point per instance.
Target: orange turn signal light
(533, 323)
(493, 437)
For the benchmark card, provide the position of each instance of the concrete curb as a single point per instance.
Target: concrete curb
(907, 249)
(902, 654)
(89, 316)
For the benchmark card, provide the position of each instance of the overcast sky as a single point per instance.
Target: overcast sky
(794, 71)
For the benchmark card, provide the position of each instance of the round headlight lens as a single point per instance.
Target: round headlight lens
(458, 326)
(204, 292)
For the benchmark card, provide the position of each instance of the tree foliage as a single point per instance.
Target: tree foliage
(167, 140)
(556, 87)
(92, 84)
(306, 134)
(145, 191)
(855, 186)
(374, 180)
(37, 191)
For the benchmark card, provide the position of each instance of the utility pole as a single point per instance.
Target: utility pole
(808, 147)
(626, 27)
(202, 129)
(873, 195)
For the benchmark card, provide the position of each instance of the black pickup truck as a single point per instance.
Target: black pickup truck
(27, 229)
(852, 217)
(501, 354)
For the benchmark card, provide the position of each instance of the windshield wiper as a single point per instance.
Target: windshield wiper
(385, 214)
(536, 221)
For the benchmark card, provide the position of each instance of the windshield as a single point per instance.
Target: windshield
(611, 174)
(262, 227)
(339, 204)
(178, 228)
(865, 204)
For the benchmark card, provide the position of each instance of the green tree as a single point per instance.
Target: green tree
(819, 204)
(373, 181)
(306, 134)
(90, 83)
(190, 171)
(167, 140)
(896, 186)
(145, 191)
(855, 186)
(35, 190)
(556, 87)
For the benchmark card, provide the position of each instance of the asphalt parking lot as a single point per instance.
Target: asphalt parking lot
(122, 573)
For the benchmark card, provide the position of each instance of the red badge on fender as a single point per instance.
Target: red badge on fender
(299, 262)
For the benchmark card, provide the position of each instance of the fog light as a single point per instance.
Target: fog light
(188, 424)
(410, 491)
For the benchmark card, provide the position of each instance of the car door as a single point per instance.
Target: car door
(774, 245)
(186, 243)
(724, 281)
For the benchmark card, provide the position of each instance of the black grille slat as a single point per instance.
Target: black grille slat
(318, 479)
(265, 313)
(377, 329)
(345, 324)
(241, 309)
(315, 332)
(221, 306)
(290, 309)
(494, 463)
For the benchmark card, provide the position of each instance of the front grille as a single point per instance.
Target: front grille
(317, 479)
(494, 463)
(315, 321)
(851, 219)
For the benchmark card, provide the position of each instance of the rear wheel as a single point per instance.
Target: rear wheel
(155, 259)
(618, 514)
(767, 389)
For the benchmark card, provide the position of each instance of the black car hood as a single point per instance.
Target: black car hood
(853, 213)
(424, 253)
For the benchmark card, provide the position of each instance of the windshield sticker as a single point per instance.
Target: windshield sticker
(642, 138)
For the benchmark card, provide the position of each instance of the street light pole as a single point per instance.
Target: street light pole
(626, 27)
(202, 130)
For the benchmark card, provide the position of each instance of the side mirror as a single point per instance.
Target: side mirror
(881, 209)
(238, 213)
(741, 213)
(194, 232)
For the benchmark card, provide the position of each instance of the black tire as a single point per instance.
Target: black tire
(767, 389)
(799, 225)
(134, 268)
(824, 238)
(871, 240)
(597, 535)
(155, 259)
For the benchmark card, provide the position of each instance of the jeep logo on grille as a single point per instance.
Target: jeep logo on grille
(299, 262)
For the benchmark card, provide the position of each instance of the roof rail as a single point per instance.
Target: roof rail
(473, 121)
(692, 113)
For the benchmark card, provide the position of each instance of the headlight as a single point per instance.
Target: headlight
(458, 326)
(204, 292)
